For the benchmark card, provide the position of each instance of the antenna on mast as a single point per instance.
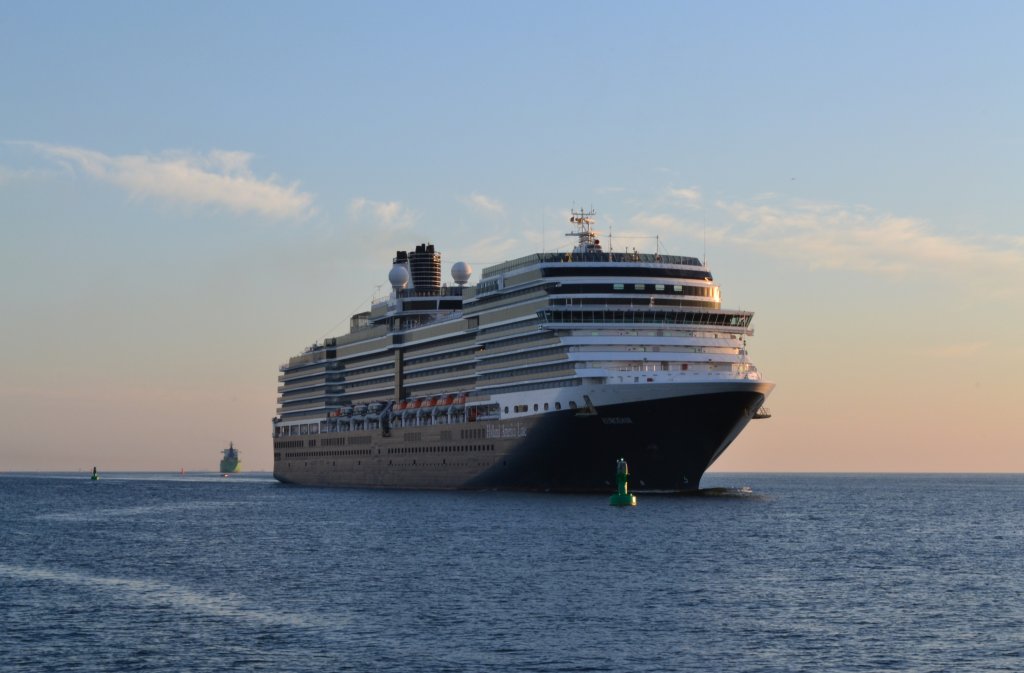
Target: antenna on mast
(705, 239)
(583, 221)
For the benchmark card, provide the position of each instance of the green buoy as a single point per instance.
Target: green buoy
(95, 475)
(623, 497)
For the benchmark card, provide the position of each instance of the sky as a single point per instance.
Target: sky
(192, 192)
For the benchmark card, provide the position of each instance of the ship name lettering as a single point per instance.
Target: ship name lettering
(617, 420)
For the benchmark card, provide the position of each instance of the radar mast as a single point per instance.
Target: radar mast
(583, 221)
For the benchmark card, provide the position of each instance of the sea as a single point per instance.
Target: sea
(757, 572)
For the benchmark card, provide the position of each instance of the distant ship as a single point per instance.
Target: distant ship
(231, 462)
(538, 377)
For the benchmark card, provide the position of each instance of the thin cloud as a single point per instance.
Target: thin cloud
(8, 174)
(835, 236)
(688, 195)
(643, 228)
(859, 238)
(220, 178)
(484, 251)
(484, 204)
(389, 214)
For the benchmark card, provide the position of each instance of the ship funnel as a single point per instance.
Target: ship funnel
(425, 265)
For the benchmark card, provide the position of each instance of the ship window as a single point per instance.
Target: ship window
(677, 288)
(639, 286)
(572, 404)
(506, 410)
(545, 406)
(659, 288)
(558, 405)
(535, 407)
(619, 286)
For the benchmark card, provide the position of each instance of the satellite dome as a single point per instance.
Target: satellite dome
(461, 272)
(398, 277)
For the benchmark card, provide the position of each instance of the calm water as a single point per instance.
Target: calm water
(762, 573)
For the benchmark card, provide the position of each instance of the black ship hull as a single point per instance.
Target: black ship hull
(668, 443)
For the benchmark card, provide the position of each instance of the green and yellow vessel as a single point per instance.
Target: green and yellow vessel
(231, 462)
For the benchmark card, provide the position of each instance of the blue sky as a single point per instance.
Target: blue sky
(192, 192)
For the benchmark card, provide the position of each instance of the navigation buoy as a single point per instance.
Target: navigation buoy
(95, 475)
(623, 498)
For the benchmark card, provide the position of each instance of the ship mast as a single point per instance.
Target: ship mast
(583, 221)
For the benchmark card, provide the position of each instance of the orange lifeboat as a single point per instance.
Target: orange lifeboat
(444, 402)
(428, 406)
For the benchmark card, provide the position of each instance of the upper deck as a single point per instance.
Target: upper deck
(632, 258)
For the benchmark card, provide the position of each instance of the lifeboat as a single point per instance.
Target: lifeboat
(402, 405)
(428, 406)
(345, 411)
(375, 407)
(460, 401)
(442, 403)
(408, 408)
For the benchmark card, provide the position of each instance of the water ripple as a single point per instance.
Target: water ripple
(153, 593)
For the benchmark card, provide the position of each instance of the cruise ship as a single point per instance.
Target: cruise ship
(537, 377)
